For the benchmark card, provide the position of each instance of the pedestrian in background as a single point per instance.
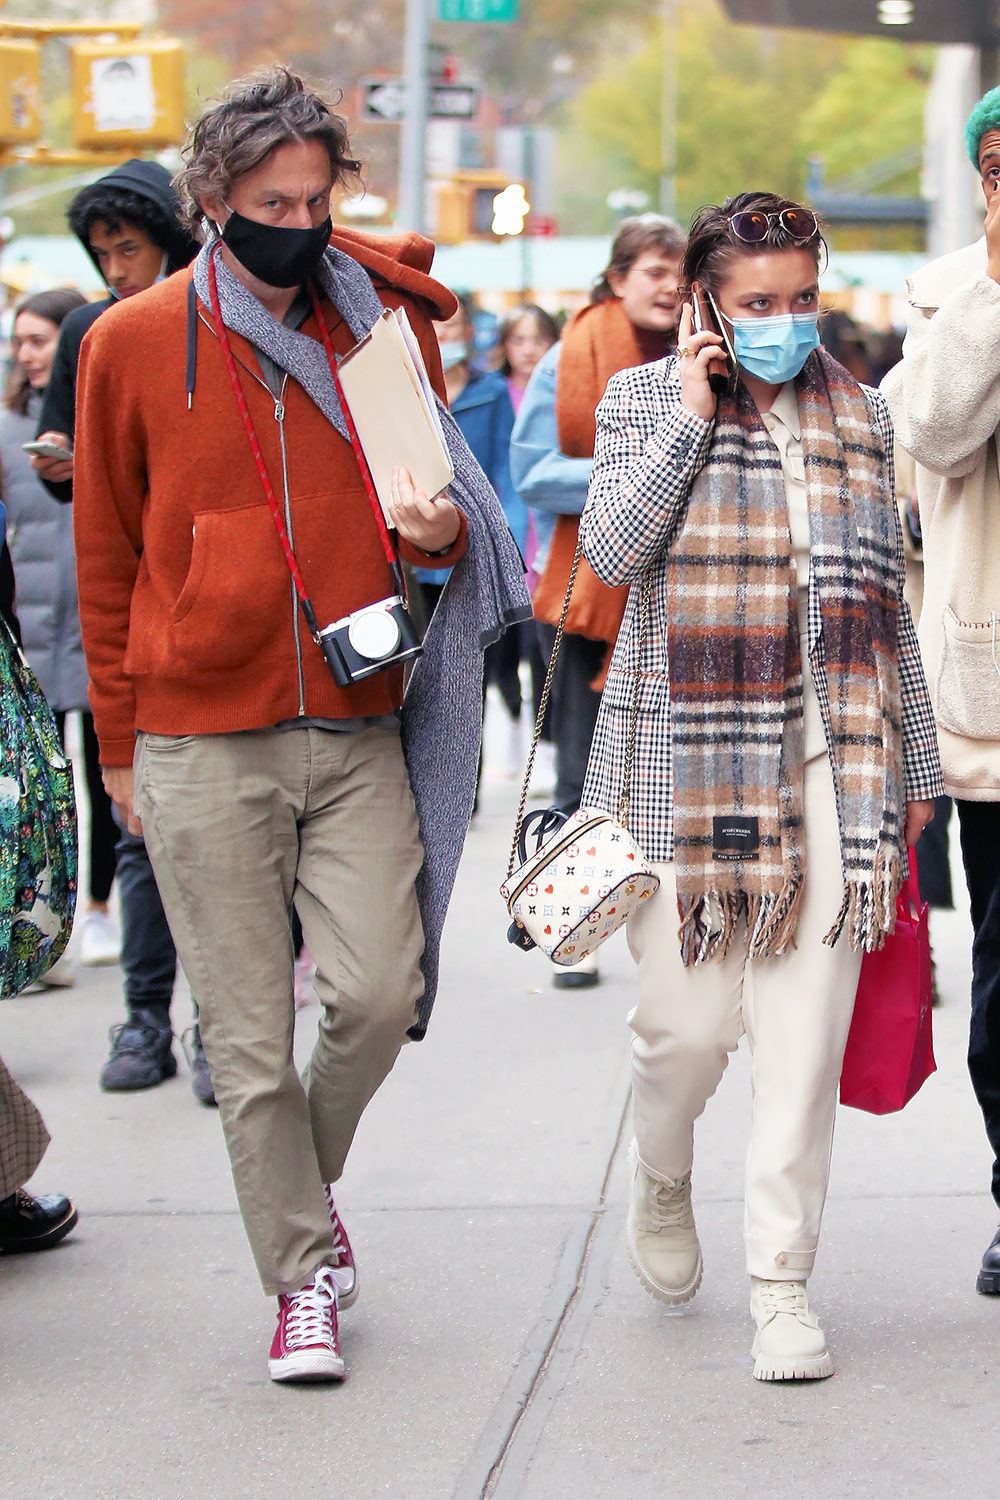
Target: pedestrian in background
(525, 336)
(40, 534)
(775, 782)
(631, 319)
(261, 776)
(127, 223)
(945, 402)
(481, 403)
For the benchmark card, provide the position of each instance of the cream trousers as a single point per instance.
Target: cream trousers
(796, 1012)
(238, 826)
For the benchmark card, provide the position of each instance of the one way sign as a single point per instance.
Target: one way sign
(384, 99)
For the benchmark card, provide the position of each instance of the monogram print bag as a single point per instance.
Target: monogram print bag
(586, 875)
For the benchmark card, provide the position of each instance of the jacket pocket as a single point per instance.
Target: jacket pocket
(967, 693)
(619, 690)
(235, 604)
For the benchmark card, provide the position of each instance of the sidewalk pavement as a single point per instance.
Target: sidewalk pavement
(501, 1345)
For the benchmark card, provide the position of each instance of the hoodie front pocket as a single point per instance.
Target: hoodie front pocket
(235, 604)
(967, 696)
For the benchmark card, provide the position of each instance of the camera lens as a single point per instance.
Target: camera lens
(374, 634)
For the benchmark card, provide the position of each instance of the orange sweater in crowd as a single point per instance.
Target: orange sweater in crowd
(186, 604)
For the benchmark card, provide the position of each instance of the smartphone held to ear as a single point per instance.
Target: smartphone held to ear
(706, 320)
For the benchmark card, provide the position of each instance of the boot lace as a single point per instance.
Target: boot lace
(667, 1203)
(784, 1297)
(309, 1320)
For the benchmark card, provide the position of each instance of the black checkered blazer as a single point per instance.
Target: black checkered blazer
(649, 450)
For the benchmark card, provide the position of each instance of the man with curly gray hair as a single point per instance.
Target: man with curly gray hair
(226, 505)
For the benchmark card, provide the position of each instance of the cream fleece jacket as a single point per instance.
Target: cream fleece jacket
(944, 398)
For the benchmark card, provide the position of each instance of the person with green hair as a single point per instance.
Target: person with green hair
(944, 399)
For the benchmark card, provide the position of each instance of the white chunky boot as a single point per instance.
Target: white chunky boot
(790, 1345)
(660, 1234)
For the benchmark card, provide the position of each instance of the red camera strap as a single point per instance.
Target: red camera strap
(279, 522)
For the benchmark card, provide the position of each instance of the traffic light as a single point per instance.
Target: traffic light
(510, 208)
(20, 92)
(465, 206)
(127, 94)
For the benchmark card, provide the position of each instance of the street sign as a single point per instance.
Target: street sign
(477, 10)
(384, 99)
(453, 101)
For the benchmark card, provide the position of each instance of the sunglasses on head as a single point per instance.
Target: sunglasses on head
(754, 227)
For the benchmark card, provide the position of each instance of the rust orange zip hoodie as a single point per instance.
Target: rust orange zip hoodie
(186, 603)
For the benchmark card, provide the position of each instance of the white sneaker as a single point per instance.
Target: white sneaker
(101, 943)
(543, 772)
(790, 1345)
(60, 977)
(581, 976)
(515, 749)
(660, 1234)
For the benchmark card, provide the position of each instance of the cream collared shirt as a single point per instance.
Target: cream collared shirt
(782, 422)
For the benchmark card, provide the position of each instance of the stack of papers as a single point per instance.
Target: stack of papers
(387, 388)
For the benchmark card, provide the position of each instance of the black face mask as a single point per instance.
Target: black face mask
(279, 257)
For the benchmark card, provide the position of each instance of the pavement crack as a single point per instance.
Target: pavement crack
(499, 1463)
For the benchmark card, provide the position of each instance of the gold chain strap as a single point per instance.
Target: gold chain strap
(546, 693)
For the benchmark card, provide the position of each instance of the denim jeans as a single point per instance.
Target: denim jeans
(979, 823)
(149, 959)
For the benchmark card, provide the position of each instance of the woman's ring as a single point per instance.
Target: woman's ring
(684, 350)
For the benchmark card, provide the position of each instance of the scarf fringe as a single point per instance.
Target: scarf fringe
(710, 920)
(868, 909)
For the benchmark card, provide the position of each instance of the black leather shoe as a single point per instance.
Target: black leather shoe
(28, 1223)
(988, 1280)
(141, 1054)
(201, 1078)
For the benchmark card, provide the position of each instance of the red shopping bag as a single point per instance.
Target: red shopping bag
(890, 1051)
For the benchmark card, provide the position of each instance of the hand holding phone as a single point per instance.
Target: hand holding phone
(42, 448)
(51, 457)
(701, 353)
(706, 320)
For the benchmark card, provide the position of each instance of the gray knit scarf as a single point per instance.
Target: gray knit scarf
(442, 712)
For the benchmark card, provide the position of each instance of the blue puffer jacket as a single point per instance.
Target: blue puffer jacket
(485, 417)
(40, 537)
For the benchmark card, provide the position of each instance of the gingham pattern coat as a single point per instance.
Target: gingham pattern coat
(23, 1136)
(649, 450)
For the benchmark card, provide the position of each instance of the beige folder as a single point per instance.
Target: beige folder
(387, 388)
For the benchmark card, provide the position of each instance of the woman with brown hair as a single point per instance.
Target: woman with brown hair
(785, 752)
(631, 318)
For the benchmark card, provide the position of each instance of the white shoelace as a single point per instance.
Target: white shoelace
(667, 1204)
(784, 1297)
(309, 1320)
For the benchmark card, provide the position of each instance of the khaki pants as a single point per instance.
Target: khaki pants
(239, 826)
(796, 1011)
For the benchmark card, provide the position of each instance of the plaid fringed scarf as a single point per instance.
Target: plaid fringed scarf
(736, 675)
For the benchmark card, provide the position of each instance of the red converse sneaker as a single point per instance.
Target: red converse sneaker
(345, 1273)
(305, 1345)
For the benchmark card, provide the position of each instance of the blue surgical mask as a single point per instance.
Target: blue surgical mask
(775, 349)
(453, 352)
